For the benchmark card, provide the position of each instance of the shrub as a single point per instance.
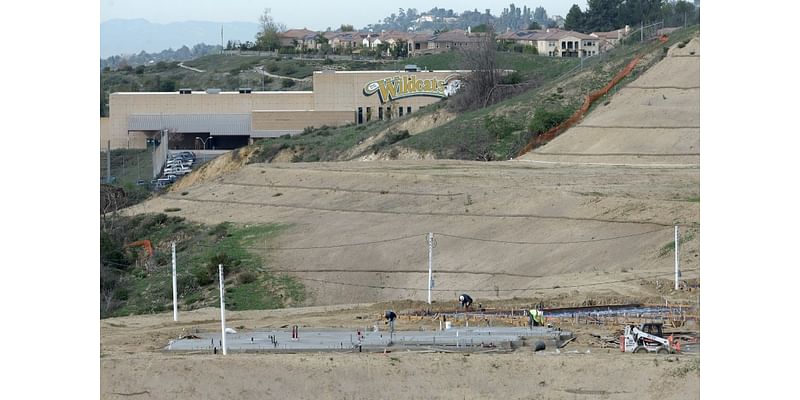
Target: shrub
(220, 230)
(229, 264)
(287, 83)
(512, 78)
(247, 277)
(500, 126)
(544, 119)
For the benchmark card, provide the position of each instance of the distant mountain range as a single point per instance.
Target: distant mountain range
(131, 36)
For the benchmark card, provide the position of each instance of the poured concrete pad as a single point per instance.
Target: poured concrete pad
(322, 340)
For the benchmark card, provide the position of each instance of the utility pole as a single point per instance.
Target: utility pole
(677, 258)
(430, 265)
(222, 309)
(174, 286)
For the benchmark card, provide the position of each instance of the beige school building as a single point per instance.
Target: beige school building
(227, 120)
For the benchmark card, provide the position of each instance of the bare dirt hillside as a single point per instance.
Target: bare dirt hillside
(654, 119)
(502, 229)
(583, 227)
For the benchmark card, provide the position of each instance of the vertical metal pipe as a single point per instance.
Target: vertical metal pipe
(174, 286)
(222, 308)
(430, 264)
(677, 257)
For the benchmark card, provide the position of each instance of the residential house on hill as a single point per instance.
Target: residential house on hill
(559, 43)
(455, 39)
(298, 38)
(609, 40)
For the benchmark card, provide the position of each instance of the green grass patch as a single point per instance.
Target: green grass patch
(134, 284)
(251, 296)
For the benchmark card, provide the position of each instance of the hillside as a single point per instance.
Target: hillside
(577, 233)
(585, 220)
(654, 119)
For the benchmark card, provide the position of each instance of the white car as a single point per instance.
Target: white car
(179, 163)
(177, 170)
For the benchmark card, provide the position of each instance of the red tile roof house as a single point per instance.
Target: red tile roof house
(609, 40)
(296, 38)
(455, 39)
(559, 43)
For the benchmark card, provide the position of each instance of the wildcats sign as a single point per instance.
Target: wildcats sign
(399, 87)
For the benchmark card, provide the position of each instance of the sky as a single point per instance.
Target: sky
(313, 14)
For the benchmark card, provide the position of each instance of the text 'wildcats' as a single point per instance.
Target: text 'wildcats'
(399, 87)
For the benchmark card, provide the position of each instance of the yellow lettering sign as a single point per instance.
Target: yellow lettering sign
(398, 87)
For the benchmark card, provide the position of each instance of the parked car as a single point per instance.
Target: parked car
(179, 163)
(177, 170)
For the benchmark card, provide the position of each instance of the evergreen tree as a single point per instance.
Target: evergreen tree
(575, 19)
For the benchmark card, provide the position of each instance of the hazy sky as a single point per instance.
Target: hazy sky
(312, 14)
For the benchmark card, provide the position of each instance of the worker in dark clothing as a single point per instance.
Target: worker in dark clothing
(465, 300)
(390, 317)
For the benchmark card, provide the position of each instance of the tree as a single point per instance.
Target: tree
(575, 19)
(481, 59)
(348, 28)
(400, 49)
(682, 8)
(534, 26)
(603, 15)
(540, 15)
(268, 37)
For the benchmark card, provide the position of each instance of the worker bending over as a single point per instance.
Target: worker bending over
(465, 300)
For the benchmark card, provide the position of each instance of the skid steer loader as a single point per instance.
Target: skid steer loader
(646, 338)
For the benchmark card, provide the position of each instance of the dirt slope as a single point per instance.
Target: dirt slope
(583, 227)
(566, 208)
(654, 119)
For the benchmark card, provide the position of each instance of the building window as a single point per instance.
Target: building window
(380, 113)
(369, 113)
(408, 110)
(400, 110)
(388, 112)
(360, 115)
(563, 45)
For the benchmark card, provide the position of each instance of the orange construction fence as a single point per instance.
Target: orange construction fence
(148, 247)
(587, 102)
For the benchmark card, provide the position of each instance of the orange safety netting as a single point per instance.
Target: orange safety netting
(148, 247)
(587, 102)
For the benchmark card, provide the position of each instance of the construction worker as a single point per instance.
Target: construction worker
(390, 317)
(465, 300)
(535, 317)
